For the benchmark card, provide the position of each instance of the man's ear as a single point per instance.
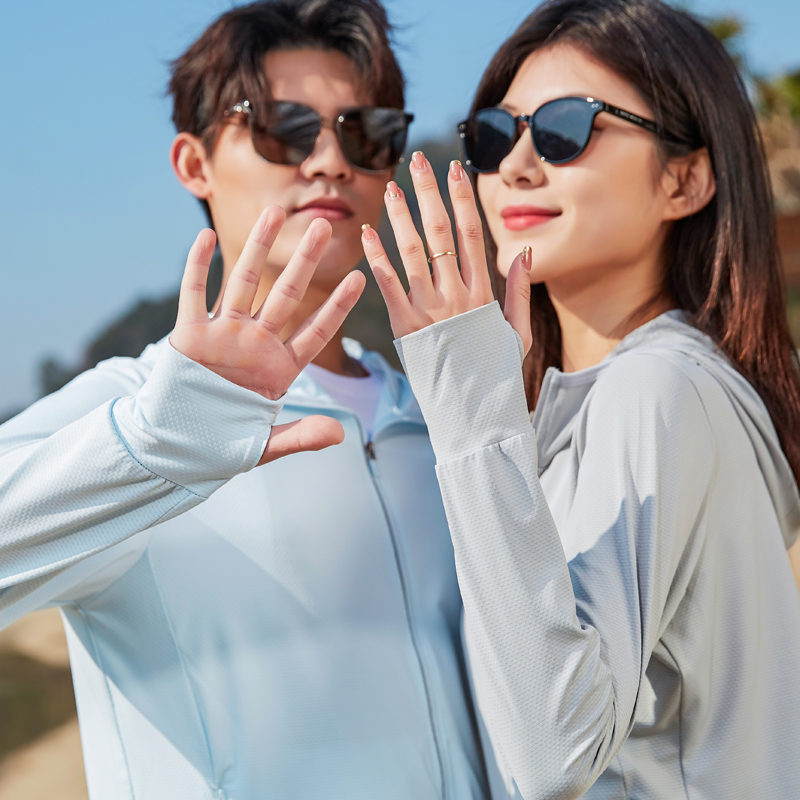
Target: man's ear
(689, 184)
(188, 158)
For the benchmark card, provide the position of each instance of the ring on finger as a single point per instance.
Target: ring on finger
(445, 253)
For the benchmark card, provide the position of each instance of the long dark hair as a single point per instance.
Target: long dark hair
(722, 263)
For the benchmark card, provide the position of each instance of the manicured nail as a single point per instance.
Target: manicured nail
(456, 173)
(393, 189)
(526, 258)
(418, 159)
(367, 232)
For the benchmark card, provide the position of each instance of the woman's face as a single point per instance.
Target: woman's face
(602, 212)
(241, 184)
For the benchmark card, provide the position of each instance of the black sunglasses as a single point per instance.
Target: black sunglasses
(372, 139)
(560, 129)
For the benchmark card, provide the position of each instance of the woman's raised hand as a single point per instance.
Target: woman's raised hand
(440, 291)
(247, 348)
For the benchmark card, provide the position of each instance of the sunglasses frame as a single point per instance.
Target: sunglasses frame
(596, 107)
(245, 107)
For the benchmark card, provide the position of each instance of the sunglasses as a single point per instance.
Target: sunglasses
(372, 139)
(560, 129)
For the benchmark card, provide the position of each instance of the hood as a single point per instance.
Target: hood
(563, 393)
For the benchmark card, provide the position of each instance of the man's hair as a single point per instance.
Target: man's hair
(226, 64)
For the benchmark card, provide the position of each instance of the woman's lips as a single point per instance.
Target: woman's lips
(520, 218)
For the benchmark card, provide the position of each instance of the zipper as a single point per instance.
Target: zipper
(372, 463)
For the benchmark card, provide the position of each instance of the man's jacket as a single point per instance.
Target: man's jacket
(239, 633)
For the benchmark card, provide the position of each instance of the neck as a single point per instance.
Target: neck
(595, 315)
(333, 356)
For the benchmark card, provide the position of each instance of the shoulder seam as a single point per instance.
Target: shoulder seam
(679, 369)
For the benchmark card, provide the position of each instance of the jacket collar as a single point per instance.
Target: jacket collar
(396, 404)
(563, 393)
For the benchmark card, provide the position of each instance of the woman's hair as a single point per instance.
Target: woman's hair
(722, 263)
(226, 64)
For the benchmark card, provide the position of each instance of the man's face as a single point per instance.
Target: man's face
(241, 184)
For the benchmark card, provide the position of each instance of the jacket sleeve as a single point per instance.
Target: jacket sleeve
(82, 470)
(558, 650)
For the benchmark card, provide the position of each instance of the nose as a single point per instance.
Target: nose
(522, 167)
(327, 159)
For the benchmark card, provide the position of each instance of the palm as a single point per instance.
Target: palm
(245, 348)
(243, 352)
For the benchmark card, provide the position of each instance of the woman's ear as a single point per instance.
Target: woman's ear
(688, 184)
(188, 158)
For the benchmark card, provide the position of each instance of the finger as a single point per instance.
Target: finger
(309, 339)
(192, 305)
(412, 251)
(518, 297)
(309, 433)
(394, 294)
(469, 229)
(240, 290)
(435, 221)
(289, 289)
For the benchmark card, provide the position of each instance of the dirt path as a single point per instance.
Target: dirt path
(50, 767)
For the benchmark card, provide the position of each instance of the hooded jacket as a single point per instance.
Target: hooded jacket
(632, 623)
(289, 631)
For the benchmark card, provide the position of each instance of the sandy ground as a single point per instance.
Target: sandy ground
(51, 767)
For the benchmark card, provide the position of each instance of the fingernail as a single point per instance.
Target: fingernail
(418, 159)
(526, 258)
(367, 232)
(393, 189)
(456, 173)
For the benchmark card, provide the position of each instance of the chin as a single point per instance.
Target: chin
(338, 261)
(340, 255)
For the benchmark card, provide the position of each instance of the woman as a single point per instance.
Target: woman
(288, 630)
(631, 619)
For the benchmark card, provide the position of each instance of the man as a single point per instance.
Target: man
(289, 631)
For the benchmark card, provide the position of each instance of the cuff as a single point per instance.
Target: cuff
(191, 426)
(466, 373)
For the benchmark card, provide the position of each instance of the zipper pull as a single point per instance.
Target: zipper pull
(370, 448)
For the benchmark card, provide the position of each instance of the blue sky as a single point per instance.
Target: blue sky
(91, 217)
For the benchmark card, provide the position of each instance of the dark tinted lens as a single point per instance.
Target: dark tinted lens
(373, 138)
(287, 133)
(488, 138)
(561, 128)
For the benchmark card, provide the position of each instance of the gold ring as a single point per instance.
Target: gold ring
(394, 196)
(446, 253)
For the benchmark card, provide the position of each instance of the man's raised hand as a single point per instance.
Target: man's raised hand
(246, 348)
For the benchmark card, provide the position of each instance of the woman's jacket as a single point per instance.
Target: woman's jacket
(632, 623)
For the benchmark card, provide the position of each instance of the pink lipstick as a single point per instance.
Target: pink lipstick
(520, 218)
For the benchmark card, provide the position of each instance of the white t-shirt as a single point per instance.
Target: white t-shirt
(360, 395)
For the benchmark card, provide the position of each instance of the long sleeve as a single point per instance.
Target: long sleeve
(558, 650)
(85, 469)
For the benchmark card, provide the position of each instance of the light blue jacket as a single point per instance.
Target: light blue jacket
(290, 631)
